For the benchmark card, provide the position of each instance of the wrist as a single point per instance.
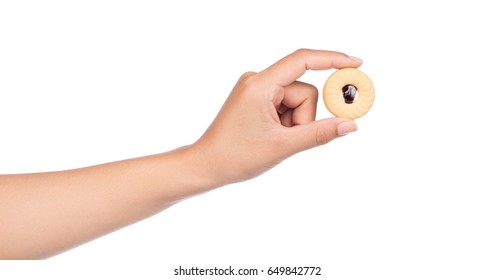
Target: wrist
(202, 168)
(191, 168)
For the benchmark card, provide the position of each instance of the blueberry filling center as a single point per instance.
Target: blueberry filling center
(349, 93)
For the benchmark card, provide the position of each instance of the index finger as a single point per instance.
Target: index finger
(290, 68)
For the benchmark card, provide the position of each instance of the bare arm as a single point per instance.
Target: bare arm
(46, 213)
(268, 117)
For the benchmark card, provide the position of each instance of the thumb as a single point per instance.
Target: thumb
(319, 132)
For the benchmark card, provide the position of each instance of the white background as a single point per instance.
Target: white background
(409, 196)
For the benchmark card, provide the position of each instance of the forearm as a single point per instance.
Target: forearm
(46, 213)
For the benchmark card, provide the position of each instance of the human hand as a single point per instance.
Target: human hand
(268, 117)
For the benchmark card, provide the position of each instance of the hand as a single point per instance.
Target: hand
(270, 116)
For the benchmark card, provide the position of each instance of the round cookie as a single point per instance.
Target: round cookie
(340, 90)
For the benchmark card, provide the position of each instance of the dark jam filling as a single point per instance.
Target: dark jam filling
(349, 93)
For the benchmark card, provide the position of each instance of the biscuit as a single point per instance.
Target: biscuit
(339, 93)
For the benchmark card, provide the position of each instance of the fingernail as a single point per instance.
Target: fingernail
(346, 127)
(356, 59)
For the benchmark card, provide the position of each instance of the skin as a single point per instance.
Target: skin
(268, 117)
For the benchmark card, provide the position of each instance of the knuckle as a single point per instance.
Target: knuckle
(301, 52)
(247, 82)
(322, 136)
(313, 91)
(247, 75)
(309, 91)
